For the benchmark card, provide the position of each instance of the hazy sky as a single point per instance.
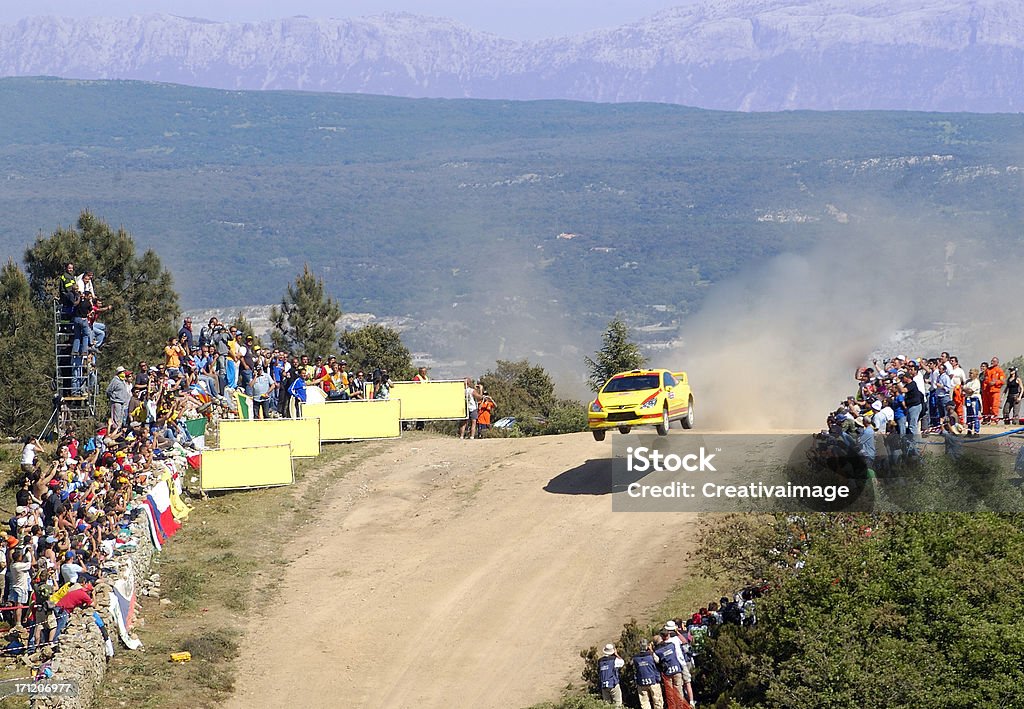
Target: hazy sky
(517, 19)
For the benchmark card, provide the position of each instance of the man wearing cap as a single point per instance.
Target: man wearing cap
(119, 395)
(608, 666)
(77, 597)
(70, 569)
(648, 679)
(186, 332)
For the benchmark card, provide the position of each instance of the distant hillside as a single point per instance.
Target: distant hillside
(945, 55)
(493, 223)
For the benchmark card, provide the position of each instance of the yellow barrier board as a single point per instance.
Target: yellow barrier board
(303, 435)
(238, 468)
(357, 420)
(424, 401)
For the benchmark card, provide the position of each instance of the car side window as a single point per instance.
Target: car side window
(668, 380)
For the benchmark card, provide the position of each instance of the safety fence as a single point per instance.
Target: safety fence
(253, 452)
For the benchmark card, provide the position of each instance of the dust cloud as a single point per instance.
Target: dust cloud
(777, 346)
(509, 309)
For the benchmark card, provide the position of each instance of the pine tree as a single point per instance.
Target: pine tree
(523, 389)
(377, 346)
(26, 353)
(242, 324)
(617, 354)
(306, 321)
(139, 290)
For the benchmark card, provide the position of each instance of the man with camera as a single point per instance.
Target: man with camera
(474, 395)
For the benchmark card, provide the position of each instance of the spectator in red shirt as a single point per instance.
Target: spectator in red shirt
(77, 597)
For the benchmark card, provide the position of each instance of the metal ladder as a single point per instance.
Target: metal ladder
(71, 404)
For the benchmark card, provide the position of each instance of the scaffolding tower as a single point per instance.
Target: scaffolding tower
(76, 381)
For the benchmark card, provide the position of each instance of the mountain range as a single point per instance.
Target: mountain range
(747, 55)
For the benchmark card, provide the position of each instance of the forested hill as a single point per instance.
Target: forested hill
(478, 208)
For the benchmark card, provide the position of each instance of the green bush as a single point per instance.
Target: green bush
(923, 610)
(574, 701)
(567, 416)
(525, 392)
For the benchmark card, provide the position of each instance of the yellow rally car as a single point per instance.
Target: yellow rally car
(642, 397)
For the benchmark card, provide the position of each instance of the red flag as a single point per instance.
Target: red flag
(673, 699)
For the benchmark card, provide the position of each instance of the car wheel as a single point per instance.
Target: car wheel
(662, 427)
(598, 435)
(687, 420)
(624, 429)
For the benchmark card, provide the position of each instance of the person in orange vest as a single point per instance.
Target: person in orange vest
(995, 379)
(483, 417)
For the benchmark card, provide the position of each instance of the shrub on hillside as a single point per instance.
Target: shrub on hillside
(926, 610)
(566, 416)
(574, 701)
(525, 392)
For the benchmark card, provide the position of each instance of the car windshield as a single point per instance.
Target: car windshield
(637, 382)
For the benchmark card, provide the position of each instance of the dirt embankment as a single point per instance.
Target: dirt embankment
(447, 573)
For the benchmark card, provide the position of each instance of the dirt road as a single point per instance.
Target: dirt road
(447, 573)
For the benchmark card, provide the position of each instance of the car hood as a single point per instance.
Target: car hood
(625, 398)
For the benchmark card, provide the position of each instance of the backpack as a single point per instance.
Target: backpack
(732, 614)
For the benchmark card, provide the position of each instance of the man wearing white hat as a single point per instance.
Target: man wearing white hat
(608, 666)
(672, 662)
(119, 394)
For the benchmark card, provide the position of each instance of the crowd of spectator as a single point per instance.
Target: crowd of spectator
(222, 359)
(663, 666)
(75, 501)
(904, 399)
(927, 395)
(74, 506)
(206, 370)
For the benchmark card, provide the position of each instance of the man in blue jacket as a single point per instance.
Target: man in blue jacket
(608, 666)
(298, 392)
(648, 679)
